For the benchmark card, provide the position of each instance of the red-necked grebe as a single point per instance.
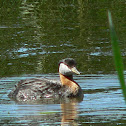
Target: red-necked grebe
(37, 88)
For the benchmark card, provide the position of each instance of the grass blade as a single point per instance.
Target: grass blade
(117, 55)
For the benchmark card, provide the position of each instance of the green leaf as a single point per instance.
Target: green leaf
(117, 55)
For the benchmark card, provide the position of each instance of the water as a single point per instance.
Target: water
(35, 35)
(103, 104)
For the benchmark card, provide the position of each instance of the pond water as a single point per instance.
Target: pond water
(103, 104)
(35, 35)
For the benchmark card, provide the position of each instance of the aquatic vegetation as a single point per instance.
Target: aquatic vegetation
(117, 55)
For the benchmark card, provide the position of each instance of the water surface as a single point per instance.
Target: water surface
(35, 35)
(103, 103)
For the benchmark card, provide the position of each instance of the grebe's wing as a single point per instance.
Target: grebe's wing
(38, 83)
(35, 88)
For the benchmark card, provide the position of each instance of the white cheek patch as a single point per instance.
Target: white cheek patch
(64, 69)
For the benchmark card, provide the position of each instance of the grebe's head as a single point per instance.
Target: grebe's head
(67, 67)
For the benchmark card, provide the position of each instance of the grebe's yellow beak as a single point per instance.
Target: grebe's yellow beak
(74, 70)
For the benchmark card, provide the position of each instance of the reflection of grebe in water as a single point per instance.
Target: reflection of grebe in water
(69, 113)
(37, 88)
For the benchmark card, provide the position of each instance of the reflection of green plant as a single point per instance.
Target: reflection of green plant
(117, 55)
(45, 113)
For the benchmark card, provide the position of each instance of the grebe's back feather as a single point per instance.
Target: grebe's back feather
(37, 88)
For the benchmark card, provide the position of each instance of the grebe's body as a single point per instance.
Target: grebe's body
(37, 88)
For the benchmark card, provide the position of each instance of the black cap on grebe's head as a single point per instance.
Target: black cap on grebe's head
(67, 67)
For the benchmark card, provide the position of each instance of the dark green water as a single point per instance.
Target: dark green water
(35, 35)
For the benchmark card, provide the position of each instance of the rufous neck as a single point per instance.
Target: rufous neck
(69, 82)
(66, 80)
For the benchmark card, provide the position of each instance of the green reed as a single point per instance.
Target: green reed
(117, 55)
